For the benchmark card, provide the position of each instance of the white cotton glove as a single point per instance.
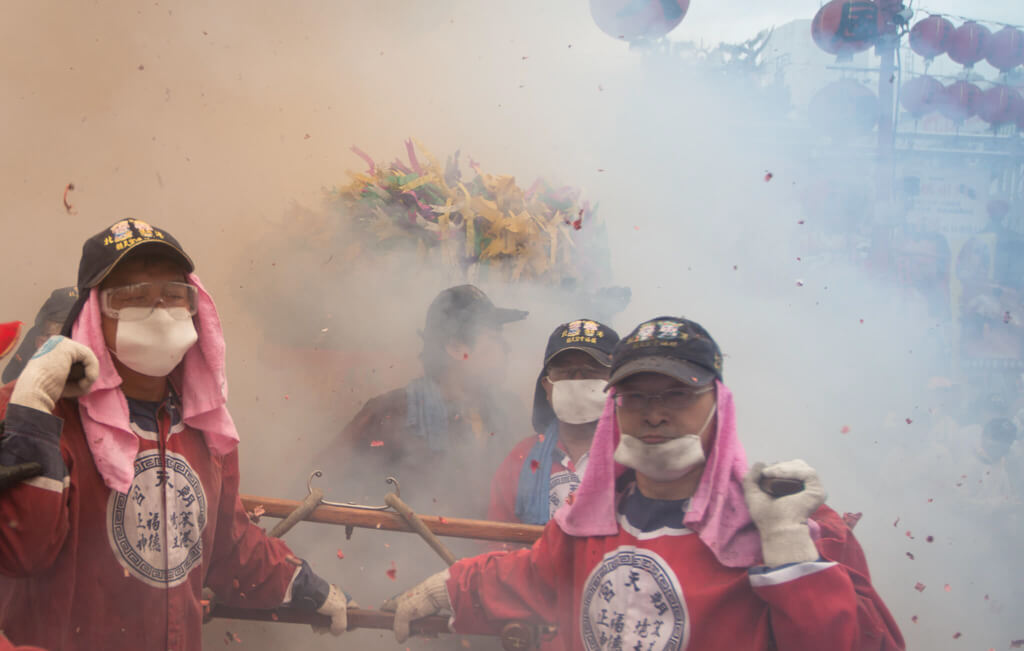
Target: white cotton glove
(335, 607)
(782, 521)
(44, 380)
(427, 598)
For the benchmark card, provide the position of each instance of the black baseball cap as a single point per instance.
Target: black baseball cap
(463, 308)
(587, 335)
(104, 250)
(669, 345)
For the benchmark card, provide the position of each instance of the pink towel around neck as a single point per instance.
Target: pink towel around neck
(200, 378)
(717, 512)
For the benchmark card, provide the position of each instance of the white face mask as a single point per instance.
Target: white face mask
(668, 461)
(578, 401)
(156, 344)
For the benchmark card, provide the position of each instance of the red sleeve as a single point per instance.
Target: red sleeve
(829, 603)
(247, 567)
(505, 484)
(35, 512)
(5, 645)
(490, 589)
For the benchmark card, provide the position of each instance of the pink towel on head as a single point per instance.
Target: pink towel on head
(203, 387)
(717, 511)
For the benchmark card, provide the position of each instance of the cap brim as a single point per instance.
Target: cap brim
(506, 315)
(602, 358)
(685, 372)
(101, 276)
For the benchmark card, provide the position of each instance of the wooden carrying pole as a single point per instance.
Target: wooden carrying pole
(390, 521)
(357, 618)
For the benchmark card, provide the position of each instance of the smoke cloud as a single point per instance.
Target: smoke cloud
(227, 124)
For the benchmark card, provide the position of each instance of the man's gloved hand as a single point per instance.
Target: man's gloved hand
(427, 598)
(310, 592)
(44, 380)
(782, 521)
(336, 607)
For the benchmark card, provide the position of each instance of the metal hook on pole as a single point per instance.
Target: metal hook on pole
(352, 505)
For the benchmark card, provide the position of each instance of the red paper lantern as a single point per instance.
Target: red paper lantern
(998, 105)
(960, 101)
(930, 37)
(967, 46)
(845, 27)
(638, 19)
(844, 108)
(1005, 49)
(922, 95)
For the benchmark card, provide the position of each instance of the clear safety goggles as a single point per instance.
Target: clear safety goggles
(137, 301)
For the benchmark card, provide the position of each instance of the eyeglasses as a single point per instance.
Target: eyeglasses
(556, 373)
(137, 301)
(677, 399)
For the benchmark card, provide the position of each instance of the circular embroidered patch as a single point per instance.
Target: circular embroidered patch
(632, 600)
(156, 528)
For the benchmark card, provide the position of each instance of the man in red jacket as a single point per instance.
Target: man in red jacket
(671, 543)
(137, 508)
(542, 471)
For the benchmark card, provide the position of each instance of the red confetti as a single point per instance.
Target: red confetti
(570, 498)
(578, 224)
(465, 355)
(540, 437)
(274, 616)
(919, 586)
(68, 188)
(845, 429)
(799, 283)
(341, 554)
(947, 588)
(851, 519)
(930, 500)
(234, 583)
(800, 221)
(376, 444)
(442, 519)
(909, 534)
(230, 637)
(286, 396)
(914, 619)
(392, 572)
(896, 523)
(956, 636)
(735, 267)
(862, 320)
(600, 169)
(910, 556)
(930, 539)
(909, 421)
(534, 464)
(768, 176)
(257, 513)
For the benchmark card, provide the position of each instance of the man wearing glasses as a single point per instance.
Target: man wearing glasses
(670, 542)
(137, 509)
(542, 471)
